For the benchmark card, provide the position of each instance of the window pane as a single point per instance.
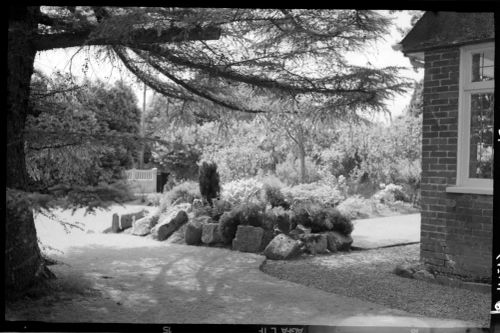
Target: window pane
(482, 66)
(481, 136)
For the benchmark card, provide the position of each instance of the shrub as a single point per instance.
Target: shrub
(245, 214)
(341, 223)
(228, 223)
(391, 193)
(184, 192)
(314, 193)
(321, 219)
(243, 191)
(289, 171)
(209, 181)
(153, 199)
(356, 207)
(275, 197)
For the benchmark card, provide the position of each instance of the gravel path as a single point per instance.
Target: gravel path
(367, 275)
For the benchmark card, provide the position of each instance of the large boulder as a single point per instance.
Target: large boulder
(282, 247)
(126, 220)
(163, 231)
(178, 236)
(210, 234)
(338, 242)
(143, 226)
(248, 238)
(193, 232)
(314, 243)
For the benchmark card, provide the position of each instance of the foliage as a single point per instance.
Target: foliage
(177, 158)
(153, 199)
(289, 171)
(244, 214)
(66, 144)
(321, 219)
(183, 192)
(391, 193)
(314, 193)
(243, 191)
(275, 197)
(209, 181)
(356, 207)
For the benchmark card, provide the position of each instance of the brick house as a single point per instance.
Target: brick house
(457, 52)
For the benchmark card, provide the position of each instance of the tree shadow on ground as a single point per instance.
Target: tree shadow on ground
(188, 284)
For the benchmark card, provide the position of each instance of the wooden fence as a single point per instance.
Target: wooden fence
(142, 181)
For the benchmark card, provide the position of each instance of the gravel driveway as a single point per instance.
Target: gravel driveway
(367, 275)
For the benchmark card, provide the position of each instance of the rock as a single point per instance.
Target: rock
(267, 237)
(338, 242)
(193, 232)
(315, 243)
(115, 224)
(178, 236)
(248, 239)
(423, 274)
(210, 233)
(282, 247)
(143, 226)
(163, 231)
(126, 220)
(404, 270)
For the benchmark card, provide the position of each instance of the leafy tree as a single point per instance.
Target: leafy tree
(187, 54)
(86, 110)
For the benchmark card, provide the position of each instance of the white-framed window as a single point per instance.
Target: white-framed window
(475, 120)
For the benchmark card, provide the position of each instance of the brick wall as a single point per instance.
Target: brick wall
(456, 232)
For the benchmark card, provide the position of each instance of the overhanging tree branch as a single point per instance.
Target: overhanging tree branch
(136, 37)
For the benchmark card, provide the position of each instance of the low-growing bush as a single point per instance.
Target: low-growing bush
(391, 193)
(321, 219)
(184, 192)
(280, 218)
(356, 207)
(314, 193)
(153, 199)
(275, 197)
(245, 214)
(243, 191)
(341, 223)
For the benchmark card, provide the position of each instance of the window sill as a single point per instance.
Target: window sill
(469, 189)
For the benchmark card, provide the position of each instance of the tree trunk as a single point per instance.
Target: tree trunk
(302, 158)
(23, 261)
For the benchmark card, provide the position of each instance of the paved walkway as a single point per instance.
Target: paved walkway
(138, 280)
(386, 231)
(153, 282)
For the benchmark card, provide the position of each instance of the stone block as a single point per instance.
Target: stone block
(210, 234)
(248, 239)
